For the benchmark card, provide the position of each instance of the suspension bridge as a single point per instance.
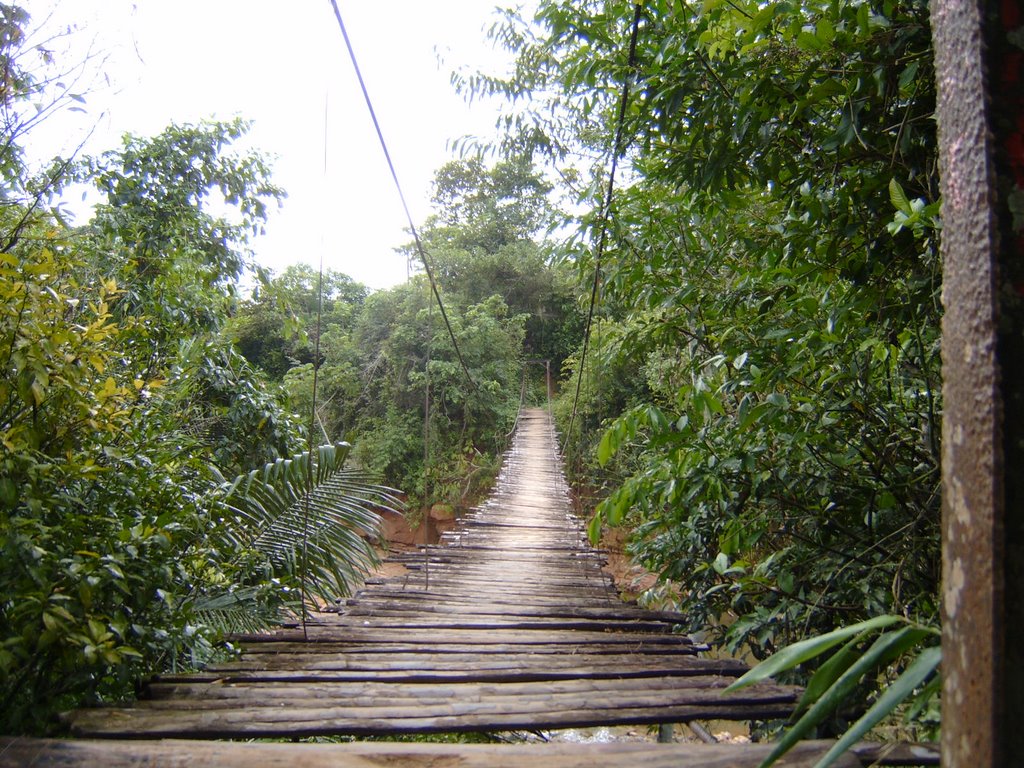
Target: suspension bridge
(508, 624)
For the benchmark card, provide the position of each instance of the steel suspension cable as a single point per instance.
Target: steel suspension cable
(605, 209)
(405, 207)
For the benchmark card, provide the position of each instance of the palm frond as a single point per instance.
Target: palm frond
(238, 611)
(312, 519)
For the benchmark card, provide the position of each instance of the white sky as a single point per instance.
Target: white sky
(276, 63)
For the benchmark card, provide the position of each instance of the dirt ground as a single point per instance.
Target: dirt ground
(631, 579)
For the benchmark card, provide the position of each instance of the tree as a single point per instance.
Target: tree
(105, 507)
(406, 349)
(480, 208)
(155, 234)
(772, 272)
(482, 241)
(278, 328)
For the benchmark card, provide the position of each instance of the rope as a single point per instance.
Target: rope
(426, 450)
(401, 196)
(313, 417)
(519, 410)
(605, 209)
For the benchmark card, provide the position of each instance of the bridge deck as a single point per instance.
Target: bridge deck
(19, 752)
(511, 624)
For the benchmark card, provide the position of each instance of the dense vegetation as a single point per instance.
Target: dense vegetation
(760, 401)
(772, 272)
(155, 421)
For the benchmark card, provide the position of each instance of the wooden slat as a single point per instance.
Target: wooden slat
(419, 701)
(652, 664)
(293, 721)
(19, 752)
(177, 693)
(15, 753)
(336, 633)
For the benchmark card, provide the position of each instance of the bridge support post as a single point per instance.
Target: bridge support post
(980, 71)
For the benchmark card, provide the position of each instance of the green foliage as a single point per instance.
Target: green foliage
(277, 329)
(312, 519)
(227, 406)
(381, 354)
(115, 393)
(481, 244)
(483, 209)
(400, 331)
(176, 261)
(833, 682)
(762, 407)
(94, 515)
(277, 332)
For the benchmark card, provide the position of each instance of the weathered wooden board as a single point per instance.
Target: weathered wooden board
(665, 664)
(15, 753)
(300, 722)
(359, 634)
(176, 694)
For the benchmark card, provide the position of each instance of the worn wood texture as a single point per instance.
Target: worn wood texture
(509, 623)
(192, 754)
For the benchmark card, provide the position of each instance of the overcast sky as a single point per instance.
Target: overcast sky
(278, 63)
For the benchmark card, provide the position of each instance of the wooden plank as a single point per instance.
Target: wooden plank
(19, 752)
(426, 655)
(444, 665)
(483, 623)
(479, 649)
(399, 701)
(302, 721)
(574, 638)
(222, 690)
(438, 675)
(409, 597)
(524, 585)
(611, 612)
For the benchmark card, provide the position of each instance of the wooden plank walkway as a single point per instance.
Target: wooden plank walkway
(510, 624)
(20, 752)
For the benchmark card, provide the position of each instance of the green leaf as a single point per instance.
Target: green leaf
(899, 197)
(925, 663)
(887, 646)
(864, 19)
(594, 529)
(796, 654)
(606, 449)
(721, 563)
(824, 31)
(830, 671)
(271, 516)
(926, 694)
(714, 404)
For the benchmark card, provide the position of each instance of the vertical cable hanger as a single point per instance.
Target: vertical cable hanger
(426, 447)
(312, 409)
(604, 210)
